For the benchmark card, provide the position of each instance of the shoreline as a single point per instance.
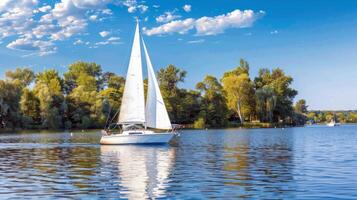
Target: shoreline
(25, 131)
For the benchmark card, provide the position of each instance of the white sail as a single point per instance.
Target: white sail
(132, 110)
(156, 113)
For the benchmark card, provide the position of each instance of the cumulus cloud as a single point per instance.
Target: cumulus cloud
(209, 25)
(37, 28)
(177, 26)
(77, 42)
(45, 8)
(29, 44)
(93, 17)
(133, 6)
(167, 17)
(104, 33)
(107, 11)
(187, 8)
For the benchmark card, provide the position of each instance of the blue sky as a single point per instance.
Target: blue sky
(313, 41)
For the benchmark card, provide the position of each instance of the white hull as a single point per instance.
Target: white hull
(146, 137)
(331, 124)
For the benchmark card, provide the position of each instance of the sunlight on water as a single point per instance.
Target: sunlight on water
(302, 163)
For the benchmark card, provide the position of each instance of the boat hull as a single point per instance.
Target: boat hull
(152, 138)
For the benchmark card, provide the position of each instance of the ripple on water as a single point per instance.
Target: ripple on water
(296, 163)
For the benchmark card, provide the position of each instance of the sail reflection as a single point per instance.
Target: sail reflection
(142, 171)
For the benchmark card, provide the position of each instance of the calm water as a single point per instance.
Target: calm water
(300, 163)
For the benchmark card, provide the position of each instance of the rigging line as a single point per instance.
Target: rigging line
(110, 110)
(113, 117)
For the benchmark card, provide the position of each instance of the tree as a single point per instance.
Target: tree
(10, 94)
(280, 83)
(78, 69)
(243, 68)
(83, 82)
(23, 76)
(182, 105)
(213, 105)
(266, 103)
(112, 94)
(170, 76)
(30, 108)
(238, 90)
(301, 107)
(48, 90)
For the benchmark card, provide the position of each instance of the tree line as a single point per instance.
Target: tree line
(86, 97)
(322, 117)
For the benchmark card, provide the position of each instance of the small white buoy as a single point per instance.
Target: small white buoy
(71, 134)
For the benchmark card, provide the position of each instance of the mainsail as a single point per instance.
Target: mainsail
(132, 110)
(156, 113)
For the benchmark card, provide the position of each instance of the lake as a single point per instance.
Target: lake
(315, 162)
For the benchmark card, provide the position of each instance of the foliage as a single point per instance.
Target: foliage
(182, 105)
(213, 104)
(280, 84)
(86, 97)
(238, 90)
(327, 116)
(199, 123)
(301, 106)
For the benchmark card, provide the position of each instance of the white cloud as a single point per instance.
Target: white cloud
(133, 6)
(209, 25)
(107, 11)
(167, 17)
(28, 44)
(93, 17)
(77, 42)
(111, 40)
(32, 26)
(131, 9)
(114, 39)
(45, 8)
(274, 32)
(16, 16)
(177, 26)
(196, 41)
(104, 33)
(187, 8)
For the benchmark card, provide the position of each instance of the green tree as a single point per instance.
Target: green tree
(213, 103)
(112, 95)
(281, 84)
(266, 103)
(243, 68)
(10, 94)
(77, 69)
(48, 90)
(22, 76)
(83, 83)
(170, 76)
(239, 92)
(301, 107)
(30, 108)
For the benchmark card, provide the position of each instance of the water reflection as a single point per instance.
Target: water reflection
(301, 163)
(142, 171)
(267, 162)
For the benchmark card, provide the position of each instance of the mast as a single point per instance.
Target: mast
(132, 110)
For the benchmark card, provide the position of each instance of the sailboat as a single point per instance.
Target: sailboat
(137, 120)
(333, 121)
